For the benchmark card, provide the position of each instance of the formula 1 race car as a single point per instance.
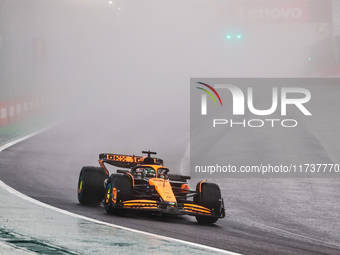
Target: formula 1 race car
(147, 186)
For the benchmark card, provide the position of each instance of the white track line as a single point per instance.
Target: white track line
(34, 201)
(3, 147)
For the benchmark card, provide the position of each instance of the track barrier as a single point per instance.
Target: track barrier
(18, 110)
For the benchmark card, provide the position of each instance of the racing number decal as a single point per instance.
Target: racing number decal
(114, 195)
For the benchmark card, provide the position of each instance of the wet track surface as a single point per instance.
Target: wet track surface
(264, 216)
(116, 75)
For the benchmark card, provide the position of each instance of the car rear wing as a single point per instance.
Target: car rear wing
(125, 161)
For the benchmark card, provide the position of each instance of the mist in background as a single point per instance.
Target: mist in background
(118, 72)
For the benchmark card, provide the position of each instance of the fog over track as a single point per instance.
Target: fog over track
(118, 78)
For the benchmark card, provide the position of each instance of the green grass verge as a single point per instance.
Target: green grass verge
(14, 131)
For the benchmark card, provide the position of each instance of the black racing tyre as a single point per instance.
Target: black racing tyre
(118, 189)
(91, 188)
(209, 197)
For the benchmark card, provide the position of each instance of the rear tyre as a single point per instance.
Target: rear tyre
(91, 185)
(209, 197)
(118, 189)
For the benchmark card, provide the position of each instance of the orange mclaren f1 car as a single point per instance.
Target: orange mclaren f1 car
(147, 185)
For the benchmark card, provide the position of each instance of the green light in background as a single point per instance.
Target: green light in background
(232, 37)
(310, 59)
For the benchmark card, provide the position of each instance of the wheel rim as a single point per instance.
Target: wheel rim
(108, 193)
(80, 188)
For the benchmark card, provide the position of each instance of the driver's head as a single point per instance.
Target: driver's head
(149, 172)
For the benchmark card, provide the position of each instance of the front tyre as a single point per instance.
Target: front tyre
(209, 197)
(91, 185)
(118, 189)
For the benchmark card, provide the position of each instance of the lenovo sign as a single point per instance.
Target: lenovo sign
(274, 11)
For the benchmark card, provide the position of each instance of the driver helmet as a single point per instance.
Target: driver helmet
(149, 172)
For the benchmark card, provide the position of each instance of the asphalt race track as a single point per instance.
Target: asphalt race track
(121, 77)
(264, 216)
